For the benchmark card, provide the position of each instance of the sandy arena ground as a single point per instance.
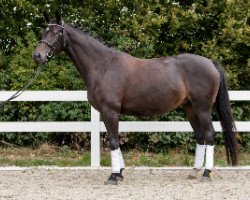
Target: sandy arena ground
(153, 184)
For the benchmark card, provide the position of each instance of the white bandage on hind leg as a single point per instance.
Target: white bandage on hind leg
(199, 156)
(122, 164)
(115, 160)
(209, 157)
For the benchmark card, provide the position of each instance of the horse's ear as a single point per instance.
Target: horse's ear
(46, 16)
(58, 17)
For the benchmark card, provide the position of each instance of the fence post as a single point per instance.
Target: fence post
(95, 138)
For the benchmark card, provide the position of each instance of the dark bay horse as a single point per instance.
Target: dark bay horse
(118, 83)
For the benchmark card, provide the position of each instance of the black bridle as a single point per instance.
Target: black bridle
(59, 39)
(36, 72)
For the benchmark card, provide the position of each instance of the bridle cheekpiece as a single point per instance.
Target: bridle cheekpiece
(59, 39)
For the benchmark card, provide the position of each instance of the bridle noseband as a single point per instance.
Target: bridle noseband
(59, 39)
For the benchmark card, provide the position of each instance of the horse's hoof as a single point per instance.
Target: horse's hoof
(194, 174)
(206, 177)
(119, 177)
(112, 180)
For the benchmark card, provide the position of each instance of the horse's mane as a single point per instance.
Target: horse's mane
(91, 34)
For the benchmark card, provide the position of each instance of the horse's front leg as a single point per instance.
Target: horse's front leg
(111, 121)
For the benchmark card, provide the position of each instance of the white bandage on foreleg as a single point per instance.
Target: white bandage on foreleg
(115, 161)
(209, 157)
(199, 156)
(122, 164)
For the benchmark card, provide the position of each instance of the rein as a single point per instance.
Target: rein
(34, 75)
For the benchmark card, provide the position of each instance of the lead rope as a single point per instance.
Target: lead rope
(34, 75)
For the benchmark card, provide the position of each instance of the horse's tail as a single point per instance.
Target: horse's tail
(223, 108)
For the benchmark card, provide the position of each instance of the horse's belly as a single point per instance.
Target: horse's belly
(152, 104)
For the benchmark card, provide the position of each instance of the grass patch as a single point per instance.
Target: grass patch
(44, 155)
(62, 156)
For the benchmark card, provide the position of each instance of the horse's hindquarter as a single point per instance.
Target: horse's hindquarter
(153, 86)
(202, 79)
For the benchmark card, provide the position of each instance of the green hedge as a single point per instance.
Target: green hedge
(145, 29)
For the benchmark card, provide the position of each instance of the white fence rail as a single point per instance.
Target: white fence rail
(95, 126)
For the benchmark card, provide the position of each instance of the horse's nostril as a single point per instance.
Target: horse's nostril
(37, 56)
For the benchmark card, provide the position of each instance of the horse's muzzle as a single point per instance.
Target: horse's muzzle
(39, 59)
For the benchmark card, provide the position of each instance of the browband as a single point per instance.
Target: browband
(61, 26)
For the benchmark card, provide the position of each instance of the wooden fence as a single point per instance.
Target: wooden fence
(94, 126)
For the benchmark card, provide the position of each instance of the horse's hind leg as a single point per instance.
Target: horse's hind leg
(200, 140)
(200, 119)
(205, 120)
(206, 123)
(111, 121)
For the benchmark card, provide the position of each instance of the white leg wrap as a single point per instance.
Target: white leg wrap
(122, 164)
(209, 157)
(115, 161)
(199, 156)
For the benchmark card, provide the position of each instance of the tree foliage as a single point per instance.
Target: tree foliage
(215, 29)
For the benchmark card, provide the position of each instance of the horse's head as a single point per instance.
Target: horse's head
(52, 40)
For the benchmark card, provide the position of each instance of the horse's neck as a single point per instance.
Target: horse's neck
(85, 52)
